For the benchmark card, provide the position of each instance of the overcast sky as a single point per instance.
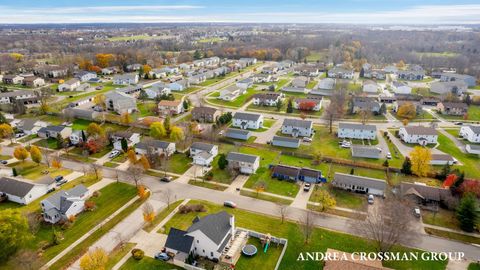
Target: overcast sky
(267, 11)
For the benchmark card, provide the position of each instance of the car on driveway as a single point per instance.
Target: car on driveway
(389, 156)
(114, 153)
(307, 139)
(61, 182)
(162, 256)
(307, 187)
(4, 162)
(370, 199)
(416, 212)
(166, 179)
(58, 178)
(18, 135)
(229, 204)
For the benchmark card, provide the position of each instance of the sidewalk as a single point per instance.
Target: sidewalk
(451, 230)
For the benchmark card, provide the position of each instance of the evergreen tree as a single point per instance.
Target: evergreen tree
(185, 105)
(197, 55)
(407, 166)
(352, 171)
(386, 164)
(467, 212)
(383, 109)
(124, 144)
(3, 120)
(445, 171)
(289, 106)
(14, 171)
(222, 162)
(60, 141)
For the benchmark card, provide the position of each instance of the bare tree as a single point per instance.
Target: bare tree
(306, 224)
(27, 260)
(387, 224)
(148, 212)
(34, 221)
(96, 169)
(336, 108)
(46, 156)
(167, 196)
(282, 210)
(365, 115)
(135, 174)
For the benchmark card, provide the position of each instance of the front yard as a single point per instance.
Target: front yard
(33, 171)
(236, 103)
(473, 114)
(471, 162)
(343, 198)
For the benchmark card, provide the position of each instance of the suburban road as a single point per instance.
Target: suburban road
(183, 191)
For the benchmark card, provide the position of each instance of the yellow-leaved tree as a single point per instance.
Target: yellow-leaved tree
(20, 153)
(177, 134)
(96, 259)
(420, 158)
(36, 154)
(407, 111)
(6, 130)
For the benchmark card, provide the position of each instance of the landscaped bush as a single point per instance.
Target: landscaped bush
(89, 205)
(185, 209)
(137, 254)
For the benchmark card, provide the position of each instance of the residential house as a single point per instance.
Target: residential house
(370, 86)
(238, 134)
(22, 191)
(300, 82)
(125, 79)
(157, 90)
(297, 127)
(245, 83)
(109, 70)
(442, 159)
(157, 73)
(307, 104)
(231, 93)
(206, 237)
(33, 81)
(246, 164)
(326, 84)
(363, 151)
(31, 126)
(401, 88)
(291, 173)
(170, 107)
(179, 85)
(84, 87)
(133, 90)
(307, 70)
(244, 62)
(340, 72)
(422, 194)
(390, 69)
(205, 114)
(69, 85)
(197, 79)
(130, 137)
(414, 74)
(64, 204)
(452, 108)
(77, 137)
(85, 76)
(429, 101)
(134, 67)
(473, 149)
(267, 99)
(120, 102)
(292, 89)
(156, 147)
(387, 99)
(470, 81)
(418, 134)
(470, 133)
(270, 69)
(360, 184)
(285, 142)
(54, 132)
(368, 72)
(365, 104)
(12, 79)
(203, 153)
(357, 131)
(247, 120)
(262, 78)
(456, 88)
(19, 96)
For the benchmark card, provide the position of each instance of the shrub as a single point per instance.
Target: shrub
(185, 209)
(137, 254)
(89, 205)
(209, 175)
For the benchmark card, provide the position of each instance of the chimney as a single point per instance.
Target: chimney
(232, 225)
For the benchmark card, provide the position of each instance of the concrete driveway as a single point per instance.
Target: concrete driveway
(302, 198)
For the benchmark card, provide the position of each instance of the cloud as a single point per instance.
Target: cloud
(422, 14)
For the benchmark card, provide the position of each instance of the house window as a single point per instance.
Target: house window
(211, 254)
(198, 241)
(203, 250)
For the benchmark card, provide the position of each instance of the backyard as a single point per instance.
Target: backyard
(471, 162)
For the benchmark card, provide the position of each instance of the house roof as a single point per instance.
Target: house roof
(267, 96)
(286, 139)
(204, 110)
(348, 179)
(247, 116)
(233, 131)
(423, 191)
(297, 123)
(214, 226)
(310, 172)
(356, 126)
(287, 170)
(442, 157)
(15, 187)
(420, 130)
(179, 240)
(202, 146)
(72, 81)
(455, 105)
(60, 199)
(242, 157)
(52, 128)
(170, 103)
(153, 143)
(17, 93)
(365, 151)
(475, 129)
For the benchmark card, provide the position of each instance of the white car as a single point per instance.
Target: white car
(370, 199)
(114, 153)
(346, 144)
(307, 139)
(389, 156)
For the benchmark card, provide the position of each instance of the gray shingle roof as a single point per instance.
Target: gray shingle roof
(214, 226)
(59, 199)
(242, 157)
(297, 123)
(152, 143)
(420, 130)
(178, 240)
(365, 151)
(356, 126)
(246, 116)
(285, 139)
(15, 187)
(202, 146)
(348, 179)
(423, 191)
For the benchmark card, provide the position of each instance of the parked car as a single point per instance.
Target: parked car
(458, 123)
(346, 144)
(61, 182)
(51, 190)
(4, 162)
(166, 179)
(58, 178)
(221, 132)
(162, 256)
(416, 212)
(307, 187)
(307, 139)
(18, 135)
(370, 199)
(114, 153)
(389, 156)
(229, 204)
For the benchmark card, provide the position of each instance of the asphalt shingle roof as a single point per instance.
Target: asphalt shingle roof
(297, 123)
(348, 179)
(15, 187)
(214, 226)
(241, 157)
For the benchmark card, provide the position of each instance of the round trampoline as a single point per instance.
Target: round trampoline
(249, 250)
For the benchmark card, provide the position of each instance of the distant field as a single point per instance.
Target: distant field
(209, 40)
(138, 37)
(437, 54)
(316, 56)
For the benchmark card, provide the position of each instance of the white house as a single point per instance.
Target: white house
(120, 102)
(203, 153)
(157, 73)
(245, 83)
(76, 137)
(197, 79)
(155, 147)
(340, 72)
(64, 204)
(12, 79)
(31, 126)
(297, 127)
(359, 184)
(401, 88)
(247, 164)
(33, 81)
(300, 82)
(473, 148)
(267, 99)
(157, 90)
(131, 138)
(125, 79)
(109, 70)
(69, 85)
(207, 237)
(326, 84)
(85, 76)
(231, 93)
(179, 85)
(170, 107)
(247, 120)
(54, 132)
(442, 159)
(418, 134)
(370, 87)
(20, 191)
(357, 131)
(470, 133)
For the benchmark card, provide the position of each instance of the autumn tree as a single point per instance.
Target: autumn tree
(96, 259)
(14, 234)
(157, 130)
(135, 174)
(407, 110)
(56, 163)
(307, 105)
(99, 100)
(144, 162)
(420, 158)
(148, 212)
(35, 154)
(177, 134)
(6, 131)
(104, 59)
(401, 64)
(126, 118)
(20, 153)
(325, 199)
(132, 156)
(94, 129)
(146, 69)
(365, 115)
(166, 124)
(96, 170)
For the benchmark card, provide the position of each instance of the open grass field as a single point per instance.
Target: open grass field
(238, 102)
(33, 171)
(320, 240)
(133, 38)
(436, 54)
(80, 124)
(315, 56)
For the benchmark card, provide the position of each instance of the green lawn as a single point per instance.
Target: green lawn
(265, 197)
(161, 216)
(454, 236)
(50, 143)
(343, 198)
(207, 184)
(117, 254)
(148, 263)
(28, 138)
(311, 84)
(146, 108)
(442, 218)
(474, 266)
(33, 171)
(473, 114)
(471, 162)
(315, 56)
(262, 260)
(222, 176)
(80, 124)
(238, 102)
(177, 163)
(321, 239)
(422, 116)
